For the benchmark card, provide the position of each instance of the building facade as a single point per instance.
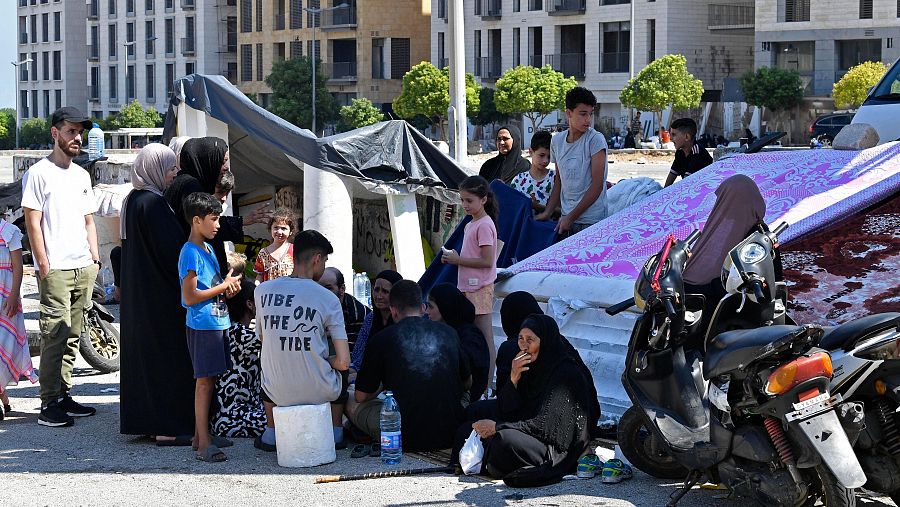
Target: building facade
(592, 40)
(365, 46)
(823, 39)
(51, 33)
(136, 49)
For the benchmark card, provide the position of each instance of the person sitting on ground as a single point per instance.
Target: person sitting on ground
(304, 345)
(537, 182)
(277, 259)
(448, 305)
(513, 311)
(421, 363)
(354, 311)
(240, 412)
(546, 411)
(581, 168)
(689, 156)
(509, 161)
(378, 319)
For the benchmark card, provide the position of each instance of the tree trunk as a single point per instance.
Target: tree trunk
(661, 128)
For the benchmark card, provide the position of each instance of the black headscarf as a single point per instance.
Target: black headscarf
(506, 167)
(459, 313)
(455, 307)
(202, 158)
(515, 308)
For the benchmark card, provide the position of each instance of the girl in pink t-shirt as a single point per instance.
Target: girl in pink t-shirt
(477, 259)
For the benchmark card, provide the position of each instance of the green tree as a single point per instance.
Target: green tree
(426, 92)
(533, 92)
(487, 113)
(360, 113)
(134, 115)
(7, 129)
(291, 84)
(777, 90)
(853, 88)
(663, 83)
(35, 132)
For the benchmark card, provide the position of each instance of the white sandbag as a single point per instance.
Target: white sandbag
(304, 436)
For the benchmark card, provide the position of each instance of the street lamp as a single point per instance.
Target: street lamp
(16, 70)
(127, 45)
(318, 10)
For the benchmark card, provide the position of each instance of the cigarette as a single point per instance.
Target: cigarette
(520, 356)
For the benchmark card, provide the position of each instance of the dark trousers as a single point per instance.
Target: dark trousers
(509, 450)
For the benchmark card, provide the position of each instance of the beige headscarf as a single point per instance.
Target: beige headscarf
(149, 173)
(739, 206)
(177, 143)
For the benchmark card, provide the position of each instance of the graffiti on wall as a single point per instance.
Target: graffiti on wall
(373, 245)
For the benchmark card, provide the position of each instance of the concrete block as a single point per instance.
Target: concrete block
(474, 147)
(856, 136)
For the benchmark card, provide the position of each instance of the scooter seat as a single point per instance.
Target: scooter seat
(733, 350)
(846, 335)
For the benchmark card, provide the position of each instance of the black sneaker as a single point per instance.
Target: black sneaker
(54, 416)
(75, 409)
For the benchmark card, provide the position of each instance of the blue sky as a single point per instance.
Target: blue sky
(7, 53)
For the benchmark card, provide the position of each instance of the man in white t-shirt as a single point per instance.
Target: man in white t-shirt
(305, 357)
(59, 205)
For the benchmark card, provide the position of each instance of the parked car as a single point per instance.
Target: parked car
(882, 107)
(828, 125)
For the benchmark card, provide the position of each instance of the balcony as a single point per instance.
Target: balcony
(731, 17)
(566, 7)
(490, 67)
(187, 46)
(339, 18)
(491, 9)
(569, 64)
(188, 5)
(342, 72)
(615, 62)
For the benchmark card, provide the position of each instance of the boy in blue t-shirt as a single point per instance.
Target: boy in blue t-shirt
(203, 294)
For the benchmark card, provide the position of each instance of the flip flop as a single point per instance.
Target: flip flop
(212, 454)
(218, 441)
(360, 450)
(179, 441)
(375, 450)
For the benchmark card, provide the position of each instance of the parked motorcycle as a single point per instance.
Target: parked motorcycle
(748, 408)
(99, 342)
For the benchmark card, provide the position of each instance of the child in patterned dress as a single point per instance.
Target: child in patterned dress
(15, 358)
(277, 259)
(537, 182)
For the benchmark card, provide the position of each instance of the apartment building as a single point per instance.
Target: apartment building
(136, 49)
(365, 46)
(822, 39)
(591, 40)
(52, 35)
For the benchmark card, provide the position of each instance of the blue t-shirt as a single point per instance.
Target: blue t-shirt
(211, 314)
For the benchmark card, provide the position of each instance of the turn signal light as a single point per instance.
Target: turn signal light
(799, 370)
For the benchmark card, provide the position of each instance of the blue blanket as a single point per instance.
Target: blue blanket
(521, 234)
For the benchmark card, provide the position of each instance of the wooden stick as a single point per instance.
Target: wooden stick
(379, 475)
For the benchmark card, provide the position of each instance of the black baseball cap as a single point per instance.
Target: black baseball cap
(71, 114)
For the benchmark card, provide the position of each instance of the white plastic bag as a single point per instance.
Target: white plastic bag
(470, 455)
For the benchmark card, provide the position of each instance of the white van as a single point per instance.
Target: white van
(882, 107)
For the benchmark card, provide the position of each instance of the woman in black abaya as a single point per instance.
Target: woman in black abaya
(509, 161)
(157, 384)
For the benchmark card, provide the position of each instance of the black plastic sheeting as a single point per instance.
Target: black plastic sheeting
(262, 145)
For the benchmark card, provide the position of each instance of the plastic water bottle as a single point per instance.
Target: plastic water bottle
(96, 146)
(357, 286)
(367, 289)
(391, 442)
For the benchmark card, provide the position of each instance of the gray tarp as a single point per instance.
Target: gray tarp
(387, 157)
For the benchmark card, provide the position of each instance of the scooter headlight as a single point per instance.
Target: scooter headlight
(752, 253)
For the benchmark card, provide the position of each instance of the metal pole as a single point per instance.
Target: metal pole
(458, 135)
(16, 70)
(315, 53)
(125, 95)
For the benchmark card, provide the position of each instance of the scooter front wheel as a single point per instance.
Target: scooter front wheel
(638, 446)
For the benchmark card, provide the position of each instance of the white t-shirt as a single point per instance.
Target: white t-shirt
(573, 164)
(294, 319)
(64, 196)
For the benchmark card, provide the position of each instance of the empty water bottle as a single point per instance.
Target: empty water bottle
(357, 286)
(96, 146)
(367, 290)
(391, 441)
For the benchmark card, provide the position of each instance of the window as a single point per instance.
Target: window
(477, 45)
(279, 50)
(441, 52)
(45, 61)
(129, 7)
(312, 19)
(614, 2)
(23, 68)
(129, 37)
(231, 72)
(95, 43)
(34, 104)
(150, 32)
(149, 6)
(170, 6)
(94, 92)
(517, 5)
(318, 49)
(45, 27)
(23, 103)
(57, 65)
(112, 8)
(246, 62)
(231, 34)
(865, 9)
(170, 78)
(795, 10)
(399, 58)
(278, 20)
(34, 28)
(616, 40)
(378, 56)
(651, 40)
(47, 111)
(57, 26)
(113, 84)
(517, 47)
(259, 62)
(129, 83)
(296, 14)
(170, 36)
(535, 5)
(259, 11)
(113, 44)
(246, 16)
(58, 97)
(854, 52)
(23, 29)
(296, 49)
(187, 45)
(34, 66)
(190, 68)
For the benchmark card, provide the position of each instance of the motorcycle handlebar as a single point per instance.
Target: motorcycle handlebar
(620, 307)
(692, 237)
(670, 308)
(781, 227)
(758, 291)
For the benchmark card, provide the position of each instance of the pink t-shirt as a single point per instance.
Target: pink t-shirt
(478, 233)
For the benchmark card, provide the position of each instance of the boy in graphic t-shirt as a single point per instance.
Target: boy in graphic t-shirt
(537, 182)
(580, 154)
(203, 295)
(305, 357)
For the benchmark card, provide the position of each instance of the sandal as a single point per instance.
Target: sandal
(218, 442)
(212, 454)
(179, 441)
(360, 451)
(375, 450)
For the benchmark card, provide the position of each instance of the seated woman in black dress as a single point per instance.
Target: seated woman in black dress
(546, 411)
